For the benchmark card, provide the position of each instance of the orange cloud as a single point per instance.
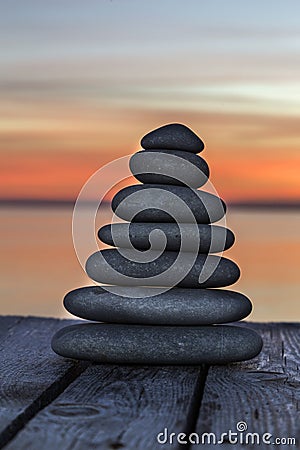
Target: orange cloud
(54, 151)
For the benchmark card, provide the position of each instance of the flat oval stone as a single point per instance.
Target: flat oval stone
(173, 136)
(169, 167)
(147, 344)
(165, 203)
(173, 307)
(144, 236)
(136, 268)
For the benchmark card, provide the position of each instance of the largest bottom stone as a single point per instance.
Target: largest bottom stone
(146, 344)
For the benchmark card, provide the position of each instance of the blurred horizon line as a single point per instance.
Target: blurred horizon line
(51, 202)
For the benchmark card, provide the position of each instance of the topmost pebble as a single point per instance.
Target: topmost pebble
(173, 136)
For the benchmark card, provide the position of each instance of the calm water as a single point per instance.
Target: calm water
(39, 264)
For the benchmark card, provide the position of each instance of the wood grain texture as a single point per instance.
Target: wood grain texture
(6, 323)
(31, 374)
(263, 392)
(111, 407)
(48, 402)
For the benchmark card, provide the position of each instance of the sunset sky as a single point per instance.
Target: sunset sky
(82, 82)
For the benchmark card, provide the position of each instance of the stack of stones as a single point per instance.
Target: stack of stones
(148, 313)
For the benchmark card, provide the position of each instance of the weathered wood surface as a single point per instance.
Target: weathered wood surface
(31, 375)
(115, 407)
(48, 402)
(264, 392)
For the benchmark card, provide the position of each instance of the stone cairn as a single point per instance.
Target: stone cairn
(160, 303)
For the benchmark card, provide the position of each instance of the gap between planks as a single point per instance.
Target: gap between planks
(183, 386)
(114, 407)
(31, 376)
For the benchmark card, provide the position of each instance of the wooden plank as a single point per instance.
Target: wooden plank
(111, 407)
(31, 374)
(126, 407)
(6, 323)
(264, 392)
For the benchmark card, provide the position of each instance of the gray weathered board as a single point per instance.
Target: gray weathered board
(48, 402)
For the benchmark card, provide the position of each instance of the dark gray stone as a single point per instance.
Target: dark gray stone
(152, 268)
(173, 307)
(164, 203)
(174, 167)
(213, 238)
(146, 344)
(173, 136)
